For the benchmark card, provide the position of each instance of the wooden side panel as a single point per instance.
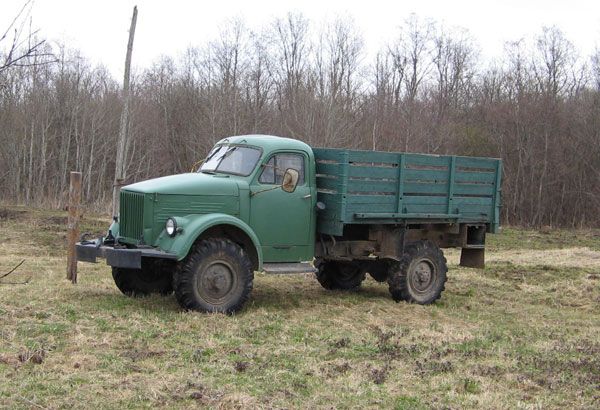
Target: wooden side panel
(368, 183)
(329, 163)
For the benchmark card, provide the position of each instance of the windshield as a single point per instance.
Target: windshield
(231, 159)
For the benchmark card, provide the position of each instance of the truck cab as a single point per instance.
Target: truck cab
(237, 195)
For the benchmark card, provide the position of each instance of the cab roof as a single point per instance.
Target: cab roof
(267, 142)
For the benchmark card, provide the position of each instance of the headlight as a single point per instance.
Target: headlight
(171, 226)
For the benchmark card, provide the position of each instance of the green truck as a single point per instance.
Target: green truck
(265, 203)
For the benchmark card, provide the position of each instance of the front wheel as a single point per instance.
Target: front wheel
(155, 276)
(216, 276)
(339, 275)
(420, 276)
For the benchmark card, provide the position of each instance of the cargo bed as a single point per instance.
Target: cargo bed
(370, 187)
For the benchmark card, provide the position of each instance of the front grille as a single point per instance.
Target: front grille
(131, 215)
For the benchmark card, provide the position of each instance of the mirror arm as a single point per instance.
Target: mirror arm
(264, 190)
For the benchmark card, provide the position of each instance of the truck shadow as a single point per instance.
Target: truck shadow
(278, 298)
(104, 299)
(275, 297)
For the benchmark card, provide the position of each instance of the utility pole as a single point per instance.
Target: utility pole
(122, 142)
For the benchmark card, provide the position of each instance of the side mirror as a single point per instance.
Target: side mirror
(290, 180)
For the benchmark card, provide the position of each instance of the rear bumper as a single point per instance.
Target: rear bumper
(118, 258)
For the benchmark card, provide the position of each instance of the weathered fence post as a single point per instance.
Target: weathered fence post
(73, 225)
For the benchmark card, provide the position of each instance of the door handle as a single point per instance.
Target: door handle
(306, 196)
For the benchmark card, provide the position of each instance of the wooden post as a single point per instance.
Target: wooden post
(122, 141)
(73, 225)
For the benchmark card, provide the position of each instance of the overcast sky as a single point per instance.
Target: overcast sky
(99, 28)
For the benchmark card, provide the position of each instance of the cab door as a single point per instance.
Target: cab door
(282, 220)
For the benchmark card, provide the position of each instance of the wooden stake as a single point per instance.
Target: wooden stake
(73, 225)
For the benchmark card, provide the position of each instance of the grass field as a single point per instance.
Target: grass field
(522, 333)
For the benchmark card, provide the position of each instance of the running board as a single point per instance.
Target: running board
(279, 268)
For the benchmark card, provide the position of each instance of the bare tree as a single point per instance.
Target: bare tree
(596, 68)
(536, 108)
(552, 67)
(412, 56)
(453, 60)
(19, 44)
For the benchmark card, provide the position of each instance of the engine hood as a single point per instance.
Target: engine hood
(188, 184)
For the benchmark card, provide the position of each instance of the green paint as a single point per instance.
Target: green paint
(193, 225)
(284, 221)
(281, 225)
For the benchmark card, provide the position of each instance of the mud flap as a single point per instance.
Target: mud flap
(472, 258)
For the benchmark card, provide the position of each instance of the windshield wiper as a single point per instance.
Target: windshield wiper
(212, 154)
(205, 171)
(226, 154)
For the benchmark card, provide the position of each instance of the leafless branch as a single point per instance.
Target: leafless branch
(24, 282)
(12, 270)
(23, 52)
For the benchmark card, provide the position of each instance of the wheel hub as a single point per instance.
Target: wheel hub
(216, 281)
(422, 276)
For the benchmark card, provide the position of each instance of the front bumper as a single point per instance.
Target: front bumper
(89, 251)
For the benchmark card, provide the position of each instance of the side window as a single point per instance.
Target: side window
(275, 168)
(268, 173)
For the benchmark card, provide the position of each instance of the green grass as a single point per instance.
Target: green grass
(511, 335)
(514, 238)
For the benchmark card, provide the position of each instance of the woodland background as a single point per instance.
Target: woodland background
(427, 90)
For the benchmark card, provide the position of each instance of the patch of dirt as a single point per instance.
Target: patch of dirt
(240, 366)
(237, 401)
(9, 360)
(11, 214)
(388, 347)
(343, 342)
(56, 220)
(197, 395)
(331, 370)
(379, 376)
(431, 367)
(141, 354)
(204, 396)
(588, 347)
(488, 371)
(338, 344)
(549, 371)
(32, 356)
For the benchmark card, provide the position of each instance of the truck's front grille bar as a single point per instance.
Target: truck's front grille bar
(131, 215)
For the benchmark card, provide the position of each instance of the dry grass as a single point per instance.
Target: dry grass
(580, 257)
(524, 332)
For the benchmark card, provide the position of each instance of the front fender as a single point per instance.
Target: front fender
(190, 227)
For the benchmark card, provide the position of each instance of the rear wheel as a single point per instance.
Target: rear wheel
(217, 276)
(155, 276)
(420, 276)
(339, 275)
(378, 269)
